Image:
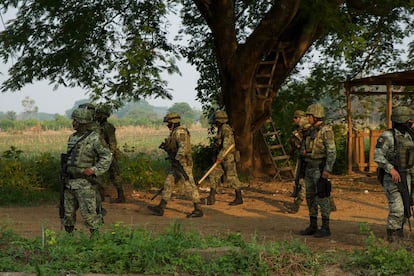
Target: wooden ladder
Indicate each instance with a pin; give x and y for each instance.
(276, 151)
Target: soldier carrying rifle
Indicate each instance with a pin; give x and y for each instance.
(394, 154)
(178, 147)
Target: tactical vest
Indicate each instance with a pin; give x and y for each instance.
(81, 156)
(314, 144)
(171, 143)
(403, 155)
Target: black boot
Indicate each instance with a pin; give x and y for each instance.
(395, 235)
(312, 228)
(158, 210)
(238, 200)
(121, 197)
(324, 231)
(69, 229)
(211, 199)
(197, 213)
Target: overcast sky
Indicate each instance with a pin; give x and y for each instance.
(62, 99)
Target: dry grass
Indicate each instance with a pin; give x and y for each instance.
(140, 139)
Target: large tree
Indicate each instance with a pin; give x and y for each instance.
(117, 48)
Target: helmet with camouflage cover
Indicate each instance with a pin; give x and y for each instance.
(104, 110)
(172, 117)
(82, 115)
(316, 110)
(299, 113)
(401, 114)
(220, 116)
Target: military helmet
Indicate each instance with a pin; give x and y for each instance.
(299, 113)
(104, 109)
(220, 116)
(82, 115)
(316, 110)
(172, 117)
(401, 114)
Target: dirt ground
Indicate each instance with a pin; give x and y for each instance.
(264, 214)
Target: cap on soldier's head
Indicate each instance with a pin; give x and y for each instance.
(221, 116)
(172, 117)
(401, 114)
(316, 110)
(299, 113)
(82, 115)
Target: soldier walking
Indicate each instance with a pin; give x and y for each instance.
(178, 147)
(87, 158)
(227, 164)
(319, 153)
(394, 154)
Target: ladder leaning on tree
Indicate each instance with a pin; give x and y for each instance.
(276, 151)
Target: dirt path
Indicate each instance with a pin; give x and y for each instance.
(263, 215)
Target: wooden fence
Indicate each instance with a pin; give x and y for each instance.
(362, 140)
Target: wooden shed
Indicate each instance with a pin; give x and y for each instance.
(389, 80)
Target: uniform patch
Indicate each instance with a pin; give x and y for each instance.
(380, 142)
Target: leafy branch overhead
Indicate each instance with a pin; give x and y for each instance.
(111, 48)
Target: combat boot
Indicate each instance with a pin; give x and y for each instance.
(395, 235)
(332, 203)
(312, 228)
(158, 210)
(69, 229)
(121, 196)
(211, 199)
(324, 231)
(197, 213)
(238, 200)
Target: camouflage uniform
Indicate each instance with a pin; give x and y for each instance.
(227, 165)
(386, 155)
(178, 147)
(85, 152)
(319, 153)
(301, 126)
(107, 131)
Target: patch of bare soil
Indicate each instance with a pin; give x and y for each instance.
(263, 216)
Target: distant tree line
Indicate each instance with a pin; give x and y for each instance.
(139, 113)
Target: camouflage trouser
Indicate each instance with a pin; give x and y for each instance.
(190, 187)
(84, 199)
(395, 204)
(312, 176)
(227, 167)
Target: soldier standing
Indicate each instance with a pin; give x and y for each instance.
(178, 147)
(319, 153)
(227, 164)
(394, 154)
(87, 159)
(301, 125)
(107, 131)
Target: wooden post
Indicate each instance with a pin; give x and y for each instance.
(373, 137)
(389, 104)
(350, 141)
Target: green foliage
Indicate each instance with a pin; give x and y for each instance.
(203, 156)
(127, 250)
(27, 182)
(380, 258)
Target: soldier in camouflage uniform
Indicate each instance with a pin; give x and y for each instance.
(301, 125)
(227, 166)
(107, 131)
(395, 145)
(319, 153)
(87, 159)
(178, 147)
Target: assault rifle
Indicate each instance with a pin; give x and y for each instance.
(300, 173)
(175, 164)
(403, 185)
(63, 176)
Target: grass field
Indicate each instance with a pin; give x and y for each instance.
(130, 139)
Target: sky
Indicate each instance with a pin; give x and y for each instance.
(58, 101)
